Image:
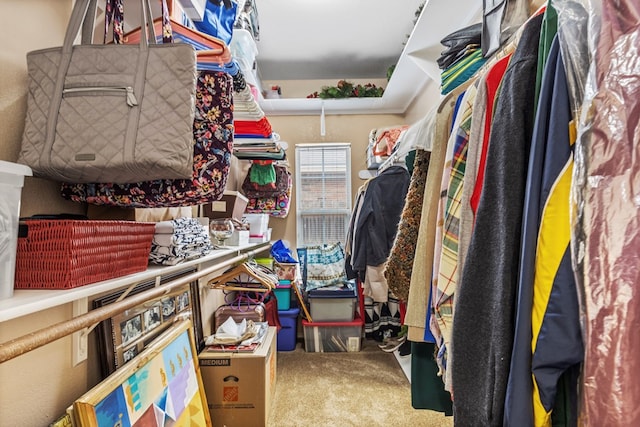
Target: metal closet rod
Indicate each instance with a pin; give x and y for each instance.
(26, 343)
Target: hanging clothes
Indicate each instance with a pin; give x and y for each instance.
(546, 283)
(446, 276)
(378, 219)
(486, 97)
(484, 311)
(400, 263)
(420, 287)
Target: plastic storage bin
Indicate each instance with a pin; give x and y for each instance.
(289, 331)
(11, 183)
(258, 223)
(333, 305)
(321, 337)
(283, 295)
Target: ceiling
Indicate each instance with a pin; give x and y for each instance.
(331, 39)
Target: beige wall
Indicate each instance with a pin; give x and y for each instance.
(37, 387)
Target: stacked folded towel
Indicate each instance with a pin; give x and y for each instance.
(179, 240)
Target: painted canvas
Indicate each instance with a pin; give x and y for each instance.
(161, 386)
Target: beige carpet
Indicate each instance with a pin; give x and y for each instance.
(362, 389)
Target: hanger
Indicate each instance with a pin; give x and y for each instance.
(509, 47)
(245, 277)
(205, 44)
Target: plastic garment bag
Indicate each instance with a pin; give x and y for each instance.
(605, 211)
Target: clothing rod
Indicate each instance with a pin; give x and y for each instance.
(26, 343)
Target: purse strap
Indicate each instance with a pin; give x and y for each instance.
(114, 17)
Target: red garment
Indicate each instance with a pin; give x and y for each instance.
(271, 311)
(494, 77)
(248, 127)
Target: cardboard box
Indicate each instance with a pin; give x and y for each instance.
(240, 386)
(231, 205)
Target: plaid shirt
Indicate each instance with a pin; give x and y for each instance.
(446, 273)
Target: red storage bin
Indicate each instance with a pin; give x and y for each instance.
(320, 337)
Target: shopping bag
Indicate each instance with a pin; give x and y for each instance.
(109, 112)
(324, 266)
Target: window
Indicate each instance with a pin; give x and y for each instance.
(323, 193)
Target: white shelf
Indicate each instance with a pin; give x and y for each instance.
(29, 301)
(415, 68)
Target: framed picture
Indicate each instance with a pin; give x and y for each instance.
(161, 386)
(125, 335)
(151, 318)
(130, 329)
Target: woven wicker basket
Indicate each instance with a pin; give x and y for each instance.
(65, 254)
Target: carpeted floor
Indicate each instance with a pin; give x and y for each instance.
(360, 389)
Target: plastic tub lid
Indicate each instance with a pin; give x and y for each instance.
(333, 293)
(15, 168)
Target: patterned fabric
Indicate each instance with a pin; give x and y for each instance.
(461, 71)
(448, 274)
(381, 319)
(400, 262)
(213, 143)
(114, 14)
(274, 189)
(179, 240)
(239, 82)
(277, 206)
(432, 324)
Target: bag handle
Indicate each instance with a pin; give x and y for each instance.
(114, 16)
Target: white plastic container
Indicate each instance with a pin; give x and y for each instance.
(11, 183)
(258, 224)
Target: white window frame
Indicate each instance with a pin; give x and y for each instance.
(301, 212)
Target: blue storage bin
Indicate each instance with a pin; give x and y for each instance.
(288, 333)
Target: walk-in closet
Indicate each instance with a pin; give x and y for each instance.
(280, 213)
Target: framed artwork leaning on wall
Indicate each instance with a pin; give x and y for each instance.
(125, 335)
(159, 386)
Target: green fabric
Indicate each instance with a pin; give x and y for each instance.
(410, 160)
(262, 174)
(461, 71)
(547, 33)
(427, 388)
